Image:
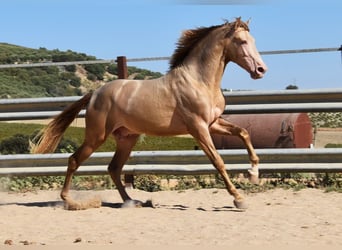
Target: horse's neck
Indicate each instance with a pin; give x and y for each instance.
(206, 65)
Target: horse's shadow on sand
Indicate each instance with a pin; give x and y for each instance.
(36, 204)
(179, 207)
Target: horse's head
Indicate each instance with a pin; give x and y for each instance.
(241, 49)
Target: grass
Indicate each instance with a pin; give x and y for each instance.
(153, 183)
(76, 134)
(9, 129)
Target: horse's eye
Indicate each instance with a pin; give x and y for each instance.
(240, 41)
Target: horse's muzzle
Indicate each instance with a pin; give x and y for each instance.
(259, 72)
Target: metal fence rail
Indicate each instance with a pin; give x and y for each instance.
(178, 162)
(237, 102)
(160, 58)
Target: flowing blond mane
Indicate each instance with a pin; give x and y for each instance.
(190, 38)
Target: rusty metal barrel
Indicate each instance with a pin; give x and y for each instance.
(286, 130)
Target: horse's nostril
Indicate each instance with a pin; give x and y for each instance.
(261, 69)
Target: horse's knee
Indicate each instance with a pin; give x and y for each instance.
(244, 133)
(254, 160)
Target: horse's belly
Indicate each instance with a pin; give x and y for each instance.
(159, 128)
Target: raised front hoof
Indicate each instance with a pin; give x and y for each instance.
(137, 204)
(253, 177)
(241, 204)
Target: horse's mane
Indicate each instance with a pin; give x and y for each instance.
(191, 37)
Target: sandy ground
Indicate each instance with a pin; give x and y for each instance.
(198, 218)
(325, 136)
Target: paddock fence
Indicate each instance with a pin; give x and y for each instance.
(194, 162)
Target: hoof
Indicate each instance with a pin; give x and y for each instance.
(131, 204)
(149, 203)
(254, 179)
(137, 203)
(240, 204)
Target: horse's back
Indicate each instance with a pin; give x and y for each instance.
(132, 95)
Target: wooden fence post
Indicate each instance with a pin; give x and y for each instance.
(122, 67)
(123, 74)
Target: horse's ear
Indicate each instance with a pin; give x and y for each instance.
(225, 21)
(237, 23)
(248, 21)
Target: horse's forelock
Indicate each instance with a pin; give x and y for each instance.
(238, 23)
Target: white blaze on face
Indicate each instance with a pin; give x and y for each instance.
(247, 55)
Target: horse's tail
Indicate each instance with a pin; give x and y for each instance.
(50, 136)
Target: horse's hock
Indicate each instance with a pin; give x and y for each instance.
(287, 130)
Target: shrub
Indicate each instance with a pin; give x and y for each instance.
(149, 183)
(70, 68)
(333, 145)
(97, 70)
(17, 144)
(112, 69)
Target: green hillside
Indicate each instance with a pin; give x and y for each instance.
(55, 81)
(77, 79)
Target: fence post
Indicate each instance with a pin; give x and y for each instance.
(123, 74)
(122, 67)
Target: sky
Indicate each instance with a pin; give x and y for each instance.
(151, 28)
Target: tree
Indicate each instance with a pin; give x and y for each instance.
(96, 69)
(292, 86)
(112, 69)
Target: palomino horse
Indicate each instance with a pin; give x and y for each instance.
(187, 100)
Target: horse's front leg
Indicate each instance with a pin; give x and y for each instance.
(223, 127)
(202, 135)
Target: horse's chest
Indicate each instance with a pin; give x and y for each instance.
(219, 106)
(215, 110)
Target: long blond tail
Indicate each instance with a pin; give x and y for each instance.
(52, 134)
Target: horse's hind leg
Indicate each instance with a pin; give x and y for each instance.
(124, 145)
(222, 126)
(94, 137)
(75, 160)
